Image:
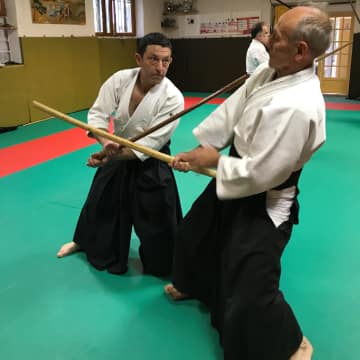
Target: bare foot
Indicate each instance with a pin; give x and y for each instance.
(68, 249)
(174, 294)
(304, 352)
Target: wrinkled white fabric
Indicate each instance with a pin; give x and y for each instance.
(276, 126)
(256, 54)
(159, 103)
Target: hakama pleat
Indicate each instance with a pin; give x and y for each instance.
(126, 194)
(227, 255)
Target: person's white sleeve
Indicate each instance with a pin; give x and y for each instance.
(217, 129)
(275, 148)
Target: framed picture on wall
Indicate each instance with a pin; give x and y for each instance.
(2, 8)
(67, 12)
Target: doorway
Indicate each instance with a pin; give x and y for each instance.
(334, 70)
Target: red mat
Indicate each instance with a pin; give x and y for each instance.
(191, 101)
(342, 106)
(19, 157)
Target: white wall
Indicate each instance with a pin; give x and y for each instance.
(357, 24)
(153, 10)
(152, 15)
(149, 16)
(139, 18)
(216, 6)
(206, 7)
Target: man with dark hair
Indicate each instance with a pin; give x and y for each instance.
(229, 246)
(129, 189)
(257, 51)
(153, 39)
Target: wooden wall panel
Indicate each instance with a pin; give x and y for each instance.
(13, 97)
(66, 73)
(116, 54)
(63, 73)
(48, 64)
(85, 72)
(205, 65)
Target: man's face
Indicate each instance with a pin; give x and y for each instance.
(282, 51)
(264, 35)
(154, 63)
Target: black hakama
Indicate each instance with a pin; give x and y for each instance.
(126, 194)
(227, 255)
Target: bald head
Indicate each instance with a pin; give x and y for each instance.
(301, 34)
(309, 24)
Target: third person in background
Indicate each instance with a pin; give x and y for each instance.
(257, 52)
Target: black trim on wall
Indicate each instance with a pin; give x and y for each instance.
(206, 65)
(354, 83)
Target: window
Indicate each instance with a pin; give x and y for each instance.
(10, 51)
(114, 17)
(336, 66)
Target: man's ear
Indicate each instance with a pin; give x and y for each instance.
(138, 58)
(303, 51)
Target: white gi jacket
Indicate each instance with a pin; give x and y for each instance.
(159, 103)
(275, 126)
(256, 55)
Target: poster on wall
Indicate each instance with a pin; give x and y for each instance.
(232, 24)
(228, 26)
(65, 12)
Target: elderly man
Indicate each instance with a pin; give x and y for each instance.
(132, 190)
(257, 52)
(229, 245)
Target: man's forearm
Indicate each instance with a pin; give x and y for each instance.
(101, 140)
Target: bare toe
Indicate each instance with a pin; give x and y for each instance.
(304, 352)
(68, 249)
(174, 294)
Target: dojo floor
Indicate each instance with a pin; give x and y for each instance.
(63, 309)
